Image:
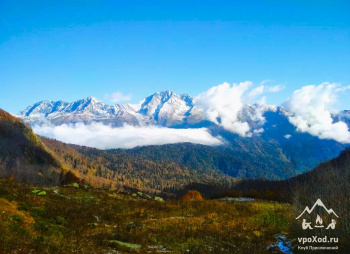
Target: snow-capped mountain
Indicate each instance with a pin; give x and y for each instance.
(162, 108)
(165, 108)
(84, 110)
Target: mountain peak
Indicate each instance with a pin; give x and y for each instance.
(163, 94)
(168, 92)
(91, 99)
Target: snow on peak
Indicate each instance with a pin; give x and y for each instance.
(164, 108)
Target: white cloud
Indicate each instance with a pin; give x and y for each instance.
(221, 105)
(262, 101)
(260, 90)
(103, 136)
(311, 107)
(274, 89)
(118, 97)
(287, 136)
(342, 89)
(226, 105)
(256, 91)
(266, 81)
(258, 131)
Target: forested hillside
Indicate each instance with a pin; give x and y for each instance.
(329, 182)
(134, 170)
(248, 158)
(23, 156)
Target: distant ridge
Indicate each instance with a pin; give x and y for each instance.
(274, 139)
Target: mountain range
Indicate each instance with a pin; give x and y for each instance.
(276, 150)
(164, 108)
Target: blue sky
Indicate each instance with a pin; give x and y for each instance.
(73, 49)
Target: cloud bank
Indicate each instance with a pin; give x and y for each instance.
(260, 90)
(223, 105)
(311, 111)
(103, 136)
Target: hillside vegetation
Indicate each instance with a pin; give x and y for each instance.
(25, 158)
(23, 155)
(246, 158)
(125, 169)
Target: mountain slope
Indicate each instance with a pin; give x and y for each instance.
(23, 155)
(329, 181)
(302, 149)
(133, 170)
(230, 160)
(25, 158)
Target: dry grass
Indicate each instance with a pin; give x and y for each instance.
(79, 220)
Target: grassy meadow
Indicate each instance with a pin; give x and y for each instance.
(81, 219)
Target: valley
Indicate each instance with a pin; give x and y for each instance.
(173, 198)
(180, 127)
(275, 149)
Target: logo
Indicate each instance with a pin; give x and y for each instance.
(319, 221)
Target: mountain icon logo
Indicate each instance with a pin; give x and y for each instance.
(319, 221)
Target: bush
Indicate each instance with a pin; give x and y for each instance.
(192, 195)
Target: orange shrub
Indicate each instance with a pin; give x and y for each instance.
(192, 195)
